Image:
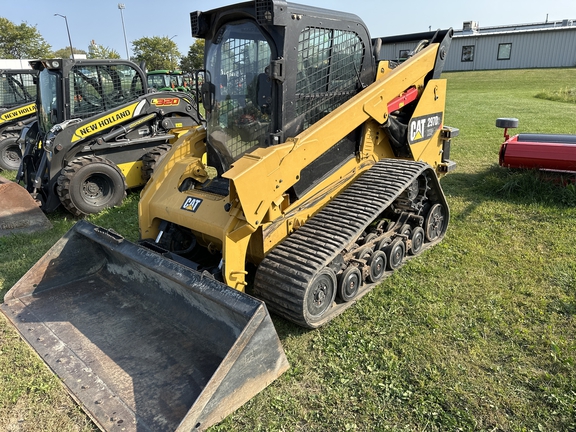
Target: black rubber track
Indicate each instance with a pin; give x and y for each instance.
(284, 274)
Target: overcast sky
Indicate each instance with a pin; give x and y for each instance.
(101, 20)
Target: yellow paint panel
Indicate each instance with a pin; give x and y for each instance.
(133, 173)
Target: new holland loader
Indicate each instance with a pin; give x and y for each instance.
(17, 109)
(315, 177)
(98, 132)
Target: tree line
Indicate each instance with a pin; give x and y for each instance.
(23, 41)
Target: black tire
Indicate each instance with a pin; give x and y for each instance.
(349, 283)
(435, 223)
(10, 154)
(319, 296)
(417, 241)
(89, 184)
(377, 265)
(506, 123)
(151, 160)
(395, 252)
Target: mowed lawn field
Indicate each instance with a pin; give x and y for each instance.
(477, 334)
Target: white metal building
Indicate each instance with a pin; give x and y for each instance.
(14, 64)
(536, 45)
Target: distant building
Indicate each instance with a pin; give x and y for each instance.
(538, 45)
(15, 64)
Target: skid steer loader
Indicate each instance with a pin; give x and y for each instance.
(17, 109)
(98, 133)
(318, 167)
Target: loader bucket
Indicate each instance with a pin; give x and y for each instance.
(19, 213)
(141, 342)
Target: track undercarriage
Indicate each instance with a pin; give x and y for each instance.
(391, 213)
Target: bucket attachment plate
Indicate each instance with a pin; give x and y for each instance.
(142, 342)
(19, 213)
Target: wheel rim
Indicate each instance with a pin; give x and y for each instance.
(321, 293)
(377, 266)
(349, 284)
(11, 156)
(417, 241)
(435, 222)
(97, 189)
(396, 254)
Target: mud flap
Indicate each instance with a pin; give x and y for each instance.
(19, 213)
(142, 342)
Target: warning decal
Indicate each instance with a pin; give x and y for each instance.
(104, 122)
(424, 128)
(191, 204)
(17, 113)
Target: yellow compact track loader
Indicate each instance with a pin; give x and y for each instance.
(315, 177)
(17, 109)
(98, 133)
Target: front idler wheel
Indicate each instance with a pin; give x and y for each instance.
(349, 283)
(89, 184)
(435, 223)
(395, 252)
(319, 296)
(377, 266)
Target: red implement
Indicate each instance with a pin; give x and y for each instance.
(552, 152)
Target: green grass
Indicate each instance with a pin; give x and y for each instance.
(477, 334)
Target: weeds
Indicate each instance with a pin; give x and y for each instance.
(566, 94)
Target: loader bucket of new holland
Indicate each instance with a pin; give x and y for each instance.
(142, 342)
(19, 213)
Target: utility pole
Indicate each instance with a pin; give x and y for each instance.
(172, 62)
(68, 30)
(122, 7)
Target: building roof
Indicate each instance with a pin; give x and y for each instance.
(472, 28)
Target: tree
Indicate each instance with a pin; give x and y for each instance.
(100, 52)
(21, 41)
(157, 52)
(195, 58)
(65, 52)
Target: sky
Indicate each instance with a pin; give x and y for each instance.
(101, 20)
